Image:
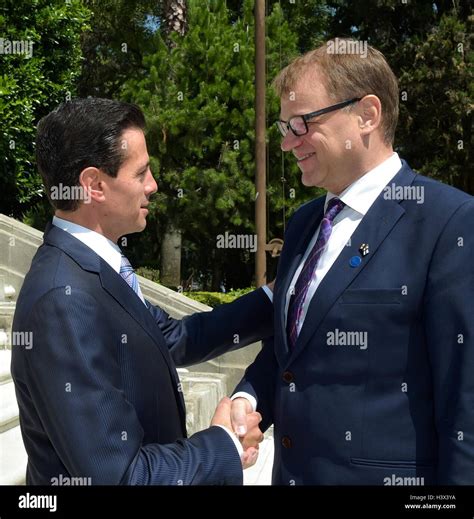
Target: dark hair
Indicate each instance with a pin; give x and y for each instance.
(79, 134)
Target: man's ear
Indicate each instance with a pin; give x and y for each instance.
(369, 114)
(91, 182)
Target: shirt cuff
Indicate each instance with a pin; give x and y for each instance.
(236, 441)
(268, 291)
(250, 398)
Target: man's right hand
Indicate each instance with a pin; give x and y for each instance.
(251, 438)
(241, 407)
(245, 426)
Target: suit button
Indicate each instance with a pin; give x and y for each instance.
(286, 442)
(288, 377)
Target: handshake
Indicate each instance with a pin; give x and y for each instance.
(237, 416)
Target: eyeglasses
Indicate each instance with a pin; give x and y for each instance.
(299, 123)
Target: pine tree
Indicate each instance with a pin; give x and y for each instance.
(199, 101)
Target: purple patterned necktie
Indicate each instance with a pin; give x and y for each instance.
(295, 308)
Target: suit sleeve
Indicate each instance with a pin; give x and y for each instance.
(260, 378)
(259, 381)
(449, 321)
(205, 335)
(74, 380)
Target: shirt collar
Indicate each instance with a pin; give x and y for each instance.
(102, 246)
(362, 193)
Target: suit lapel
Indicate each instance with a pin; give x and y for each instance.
(117, 288)
(124, 295)
(374, 229)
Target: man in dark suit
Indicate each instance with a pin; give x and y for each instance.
(369, 377)
(98, 391)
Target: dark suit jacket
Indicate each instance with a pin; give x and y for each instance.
(98, 392)
(403, 407)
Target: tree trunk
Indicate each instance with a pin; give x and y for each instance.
(216, 276)
(170, 274)
(175, 18)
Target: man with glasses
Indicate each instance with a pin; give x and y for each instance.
(368, 379)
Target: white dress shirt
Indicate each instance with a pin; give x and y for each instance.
(110, 252)
(358, 198)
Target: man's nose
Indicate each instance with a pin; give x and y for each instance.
(152, 186)
(290, 141)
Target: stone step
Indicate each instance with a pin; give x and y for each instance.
(8, 406)
(13, 457)
(7, 310)
(202, 392)
(5, 360)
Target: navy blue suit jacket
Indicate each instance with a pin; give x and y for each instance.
(98, 392)
(403, 408)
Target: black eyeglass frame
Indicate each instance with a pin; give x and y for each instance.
(285, 126)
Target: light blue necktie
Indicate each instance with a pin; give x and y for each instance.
(127, 272)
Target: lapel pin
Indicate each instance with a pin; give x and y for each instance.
(364, 249)
(355, 261)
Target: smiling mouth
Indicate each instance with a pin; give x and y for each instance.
(304, 157)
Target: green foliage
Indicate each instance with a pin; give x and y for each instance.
(30, 87)
(149, 273)
(429, 47)
(438, 110)
(307, 19)
(198, 96)
(214, 299)
(120, 34)
(199, 101)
